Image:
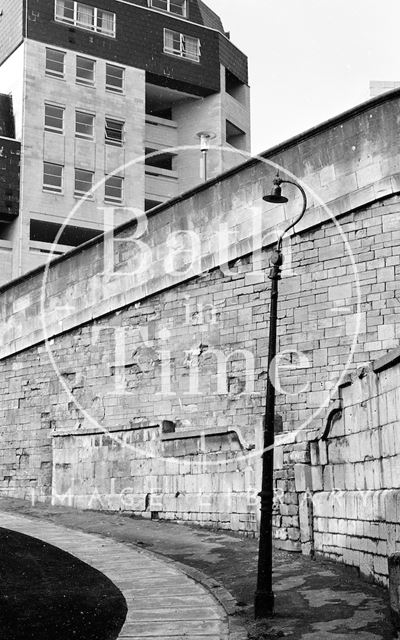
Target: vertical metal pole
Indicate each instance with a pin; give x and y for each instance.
(264, 597)
(204, 164)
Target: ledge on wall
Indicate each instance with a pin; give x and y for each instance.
(206, 433)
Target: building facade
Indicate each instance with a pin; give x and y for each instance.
(10, 150)
(108, 99)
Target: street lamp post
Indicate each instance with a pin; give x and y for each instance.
(264, 597)
(205, 138)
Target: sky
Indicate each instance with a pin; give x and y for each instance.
(310, 60)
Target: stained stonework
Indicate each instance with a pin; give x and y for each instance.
(128, 353)
(347, 476)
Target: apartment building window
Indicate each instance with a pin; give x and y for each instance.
(85, 16)
(83, 182)
(114, 189)
(114, 78)
(114, 133)
(54, 118)
(172, 6)
(178, 44)
(55, 63)
(85, 71)
(84, 125)
(52, 177)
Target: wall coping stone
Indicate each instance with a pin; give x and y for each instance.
(207, 433)
(387, 361)
(278, 148)
(22, 326)
(65, 433)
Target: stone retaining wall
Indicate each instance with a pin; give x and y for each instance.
(347, 476)
(191, 349)
(155, 472)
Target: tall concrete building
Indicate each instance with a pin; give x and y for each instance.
(92, 88)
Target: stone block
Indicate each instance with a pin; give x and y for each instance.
(294, 534)
(381, 565)
(299, 457)
(316, 478)
(288, 545)
(350, 480)
(306, 519)
(323, 452)
(395, 462)
(314, 453)
(278, 457)
(387, 480)
(341, 292)
(288, 509)
(327, 478)
(339, 476)
(280, 534)
(302, 475)
(320, 357)
(392, 539)
(391, 506)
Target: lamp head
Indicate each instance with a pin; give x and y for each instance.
(276, 196)
(205, 138)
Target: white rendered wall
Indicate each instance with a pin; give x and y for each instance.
(210, 114)
(71, 152)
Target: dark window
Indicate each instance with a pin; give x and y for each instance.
(85, 16)
(53, 118)
(172, 6)
(84, 125)
(85, 70)
(52, 177)
(114, 189)
(114, 78)
(83, 182)
(178, 44)
(114, 133)
(55, 63)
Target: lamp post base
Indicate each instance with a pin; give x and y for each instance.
(264, 604)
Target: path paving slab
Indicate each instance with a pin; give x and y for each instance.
(196, 613)
(315, 599)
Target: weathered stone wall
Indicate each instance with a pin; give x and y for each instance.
(190, 348)
(203, 477)
(345, 164)
(162, 360)
(348, 480)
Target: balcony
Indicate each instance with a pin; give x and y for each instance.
(160, 133)
(41, 252)
(5, 261)
(160, 184)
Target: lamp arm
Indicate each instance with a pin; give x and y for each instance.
(301, 214)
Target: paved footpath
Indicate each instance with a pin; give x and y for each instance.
(315, 600)
(163, 602)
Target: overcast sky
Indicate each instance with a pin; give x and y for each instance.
(310, 59)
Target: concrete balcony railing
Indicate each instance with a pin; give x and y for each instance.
(5, 261)
(160, 184)
(160, 133)
(5, 246)
(41, 252)
(47, 247)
